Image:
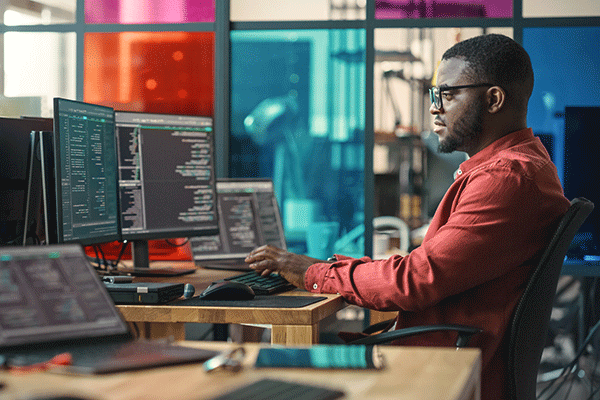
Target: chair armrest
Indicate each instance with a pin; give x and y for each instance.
(464, 334)
(379, 326)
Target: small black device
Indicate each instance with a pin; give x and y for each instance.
(144, 292)
(118, 279)
(227, 290)
(157, 272)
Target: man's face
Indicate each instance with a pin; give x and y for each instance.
(459, 122)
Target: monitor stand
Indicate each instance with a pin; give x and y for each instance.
(141, 263)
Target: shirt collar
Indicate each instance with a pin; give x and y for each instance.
(490, 151)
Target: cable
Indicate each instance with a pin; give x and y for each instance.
(570, 366)
(121, 252)
(98, 263)
(593, 391)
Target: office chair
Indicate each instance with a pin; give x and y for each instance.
(529, 325)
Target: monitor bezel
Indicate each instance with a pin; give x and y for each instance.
(177, 233)
(57, 180)
(576, 128)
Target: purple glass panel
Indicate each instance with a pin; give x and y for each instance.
(398, 9)
(148, 11)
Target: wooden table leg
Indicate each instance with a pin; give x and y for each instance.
(294, 335)
(160, 330)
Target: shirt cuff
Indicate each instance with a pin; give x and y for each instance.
(315, 277)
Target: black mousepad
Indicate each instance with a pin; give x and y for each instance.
(258, 302)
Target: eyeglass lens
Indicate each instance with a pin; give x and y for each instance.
(434, 96)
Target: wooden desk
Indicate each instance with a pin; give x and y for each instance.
(411, 373)
(289, 326)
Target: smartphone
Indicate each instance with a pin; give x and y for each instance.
(321, 356)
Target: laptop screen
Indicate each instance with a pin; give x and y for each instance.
(248, 217)
(52, 293)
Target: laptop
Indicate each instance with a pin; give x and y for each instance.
(249, 217)
(53, 302)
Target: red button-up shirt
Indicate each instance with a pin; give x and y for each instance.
(472, 266)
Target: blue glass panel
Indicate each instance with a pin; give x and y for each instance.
(565, 75)
(297, 116)
(565, 109)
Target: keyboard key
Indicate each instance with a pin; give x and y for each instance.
(263, 285)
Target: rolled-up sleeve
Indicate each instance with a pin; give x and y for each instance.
(494, 224)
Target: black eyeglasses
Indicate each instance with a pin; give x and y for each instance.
(435, 93)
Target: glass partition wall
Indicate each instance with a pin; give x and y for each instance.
(327, 97)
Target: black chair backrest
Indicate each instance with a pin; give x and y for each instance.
(529, 327)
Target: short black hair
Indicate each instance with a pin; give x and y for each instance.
(496, 59)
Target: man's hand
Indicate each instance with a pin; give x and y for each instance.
(292, 267)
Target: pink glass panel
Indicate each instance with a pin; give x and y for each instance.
(148, 11)
(163, 72)
(398, 9)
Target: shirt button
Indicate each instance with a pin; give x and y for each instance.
(315, 286)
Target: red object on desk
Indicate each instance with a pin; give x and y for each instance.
(159, 250)
(56, 361)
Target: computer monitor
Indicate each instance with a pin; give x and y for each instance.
(581, 174)
(166, 178)
(249, 217)
(85, 174)
(15, 147)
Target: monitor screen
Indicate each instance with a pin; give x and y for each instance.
(85, 174)
(15, 142)
(51, 293)
(581, 173)
(166, 177)
(249, 217)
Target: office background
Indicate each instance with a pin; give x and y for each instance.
(324, 96)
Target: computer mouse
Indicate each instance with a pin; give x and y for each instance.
(227, 290)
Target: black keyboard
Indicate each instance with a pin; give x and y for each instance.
(271, 389)
(263, 285)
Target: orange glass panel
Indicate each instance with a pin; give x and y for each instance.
(162, 72)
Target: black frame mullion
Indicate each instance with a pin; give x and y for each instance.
(79, 48)
(369, 139)
(222, 86)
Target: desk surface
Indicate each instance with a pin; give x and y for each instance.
(289, 326)
(411, 373)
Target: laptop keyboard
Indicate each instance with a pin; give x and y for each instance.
(271, 389)
(263, 285)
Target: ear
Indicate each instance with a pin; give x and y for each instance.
(496, 97)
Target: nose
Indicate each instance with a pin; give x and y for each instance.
(433, 110)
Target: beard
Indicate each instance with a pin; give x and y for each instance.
(464, 131)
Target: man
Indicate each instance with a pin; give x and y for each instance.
(489, 229)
